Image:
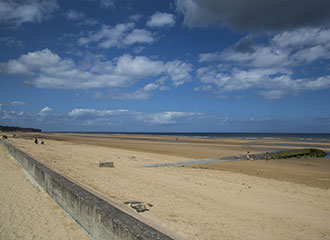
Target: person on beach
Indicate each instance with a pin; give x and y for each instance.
(42, 142)
(247, 155)
(36, 141)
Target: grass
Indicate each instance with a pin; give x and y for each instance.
(310, 152)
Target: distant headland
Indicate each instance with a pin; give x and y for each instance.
(17, 129)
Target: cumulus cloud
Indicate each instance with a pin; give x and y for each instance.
(118, 36)
(45, 111)
(270, 65)
(48, 70)
(159, 19)
(301, 46)
(275, 82)
(13, 12)
(138, 36)
(255, 16)
(239, 79)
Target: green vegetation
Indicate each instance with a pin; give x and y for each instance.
(301, 153)
(17, 129)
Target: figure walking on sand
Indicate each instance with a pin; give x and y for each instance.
(36, 141)
(248, 157)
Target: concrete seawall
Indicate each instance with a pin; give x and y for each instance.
(97, 217)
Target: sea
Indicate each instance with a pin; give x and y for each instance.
(304, 137)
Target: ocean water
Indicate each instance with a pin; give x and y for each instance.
(308, 137)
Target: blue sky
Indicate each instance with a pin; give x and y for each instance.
(181, 65)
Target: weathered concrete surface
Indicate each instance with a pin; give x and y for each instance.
(106, 164)
(97, 217)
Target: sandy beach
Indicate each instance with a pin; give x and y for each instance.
(28, 213)
(235, 200)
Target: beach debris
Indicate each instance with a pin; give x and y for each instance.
(106, 164)
(133, 157)
(138, 206)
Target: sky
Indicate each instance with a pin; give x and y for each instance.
(165, 65)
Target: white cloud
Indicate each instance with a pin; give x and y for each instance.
(159, 19)
(45, 111)
(138, 36)
(34, 61)
(118, 36)
(107, 36)
(157, 118)
(179, 72)
(275, 82)
(19, 12)
(316, 83)
(83, 112)
(89, 119)
(17, 103)
(166, 118)
(269, 66)
(239, 79)
(48, 70)
(263, 56)
(302, 46)
(302, 37)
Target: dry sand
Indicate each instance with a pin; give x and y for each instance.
(194, 203)
(26, 212)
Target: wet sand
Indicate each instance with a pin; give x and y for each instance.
(26, 212)
(313, 172)
(195, 203)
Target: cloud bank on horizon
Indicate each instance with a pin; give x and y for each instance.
(179, 65)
